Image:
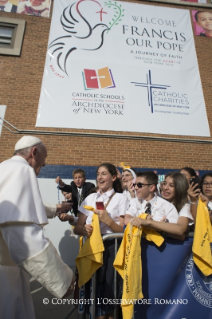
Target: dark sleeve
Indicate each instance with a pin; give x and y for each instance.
(66, 188)
(87, 188)
(90, 185)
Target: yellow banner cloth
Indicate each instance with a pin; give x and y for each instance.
(202, 238)
(90, 257)
(153, 235)
(89, 207)
(81, 237)
(128, 264)
(80, 242)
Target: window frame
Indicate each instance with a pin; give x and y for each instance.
(15, 47)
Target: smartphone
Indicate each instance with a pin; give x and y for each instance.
(100, 205)
(195, 180)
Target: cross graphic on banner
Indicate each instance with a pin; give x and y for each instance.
(149, 87)
(101, 11)
(97, 78)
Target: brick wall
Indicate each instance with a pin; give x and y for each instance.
(20, 83)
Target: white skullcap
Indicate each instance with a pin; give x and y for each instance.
(27, 141)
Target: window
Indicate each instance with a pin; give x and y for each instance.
(6, 35)
(11, 36)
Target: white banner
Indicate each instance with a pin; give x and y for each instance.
(122, 66)
(2, 114)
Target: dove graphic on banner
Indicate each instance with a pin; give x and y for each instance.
(74, 22)
(80, 34)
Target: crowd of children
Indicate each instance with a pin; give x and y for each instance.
(120, 198)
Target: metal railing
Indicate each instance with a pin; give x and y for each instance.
(81, 307)
(14, 130)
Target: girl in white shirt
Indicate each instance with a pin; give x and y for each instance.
(111, 221)
(174, 190)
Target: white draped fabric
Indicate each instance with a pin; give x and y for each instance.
(20, 198)
(15, 298)
(18, 304)
(24, 250)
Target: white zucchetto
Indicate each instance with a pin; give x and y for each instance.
(27, 141)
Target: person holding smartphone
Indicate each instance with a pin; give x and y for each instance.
(194, 188)
(189, 173)
(192, 178)
(111, 206)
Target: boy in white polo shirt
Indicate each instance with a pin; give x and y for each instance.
(148, 202)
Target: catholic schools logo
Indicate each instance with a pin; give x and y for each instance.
(199, 285)
(98, 79)
(150, 86)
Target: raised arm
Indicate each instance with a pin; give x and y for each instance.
(193, 194)
(81, 228)
(175, 229)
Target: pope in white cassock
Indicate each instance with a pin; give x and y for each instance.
(24, 250)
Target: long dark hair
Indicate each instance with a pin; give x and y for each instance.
(190, 170)
(112, 170)
(181, 188)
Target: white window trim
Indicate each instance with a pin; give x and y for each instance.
(17, 37)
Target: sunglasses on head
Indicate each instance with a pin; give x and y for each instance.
(140, 185)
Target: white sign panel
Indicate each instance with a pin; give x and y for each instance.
(122, 67)
(2, 113)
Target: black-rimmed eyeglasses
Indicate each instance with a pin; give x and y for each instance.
(140, 185)
(207, 184)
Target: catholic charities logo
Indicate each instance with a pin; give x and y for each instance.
(98, 79)
(199, 285)
(150, 86)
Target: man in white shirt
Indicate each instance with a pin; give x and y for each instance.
(24, 250)
(158, 208)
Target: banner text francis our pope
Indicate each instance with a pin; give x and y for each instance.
(158, 30)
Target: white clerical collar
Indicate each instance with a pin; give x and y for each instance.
(106, 194)
(19, 159)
